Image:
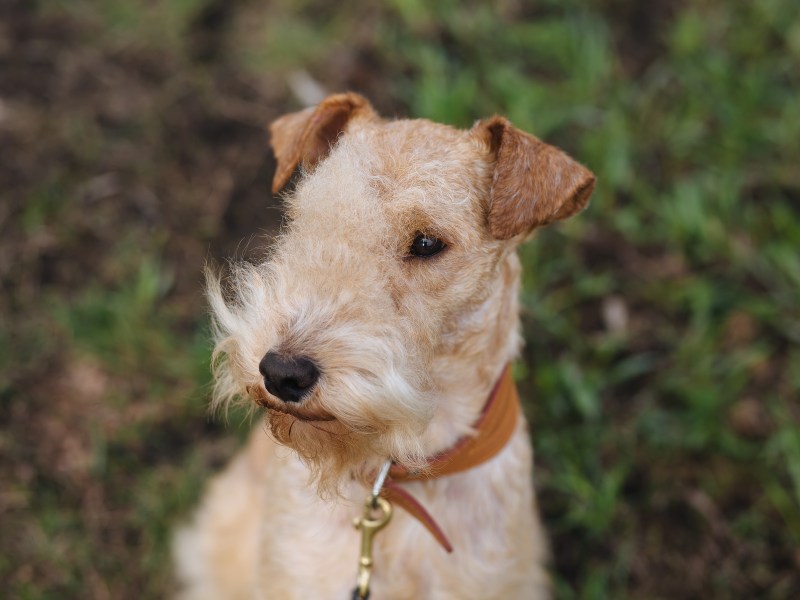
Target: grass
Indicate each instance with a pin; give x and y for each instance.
(661, 371)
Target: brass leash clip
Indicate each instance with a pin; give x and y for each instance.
(377, 514)
(369, 526)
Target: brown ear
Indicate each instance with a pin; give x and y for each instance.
(307, 136)
(533, 183)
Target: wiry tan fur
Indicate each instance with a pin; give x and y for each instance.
(409, 349)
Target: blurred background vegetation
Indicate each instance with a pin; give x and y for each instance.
(662, 369)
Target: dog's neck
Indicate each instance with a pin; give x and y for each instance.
(463, 386)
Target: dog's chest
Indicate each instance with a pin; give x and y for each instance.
(312, 550)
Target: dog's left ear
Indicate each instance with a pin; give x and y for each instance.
(533, 183)
(307, 136)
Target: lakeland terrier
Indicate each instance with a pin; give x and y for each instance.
(379, 333)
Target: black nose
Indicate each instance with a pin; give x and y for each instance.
(288, 377)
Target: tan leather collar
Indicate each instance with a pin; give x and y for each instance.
(493, 430)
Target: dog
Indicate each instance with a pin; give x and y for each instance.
(379, 332)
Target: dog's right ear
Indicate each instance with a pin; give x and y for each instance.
(533, 183)
(306, 137)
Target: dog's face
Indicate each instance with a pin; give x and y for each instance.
(395, 234)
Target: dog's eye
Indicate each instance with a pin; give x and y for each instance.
(425, 245)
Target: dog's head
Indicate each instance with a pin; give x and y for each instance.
(392, 271)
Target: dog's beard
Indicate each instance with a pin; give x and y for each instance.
(352, 445)
(374, 380)
(327, 448)
(355, 419)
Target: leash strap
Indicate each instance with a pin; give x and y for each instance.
(397, 495)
